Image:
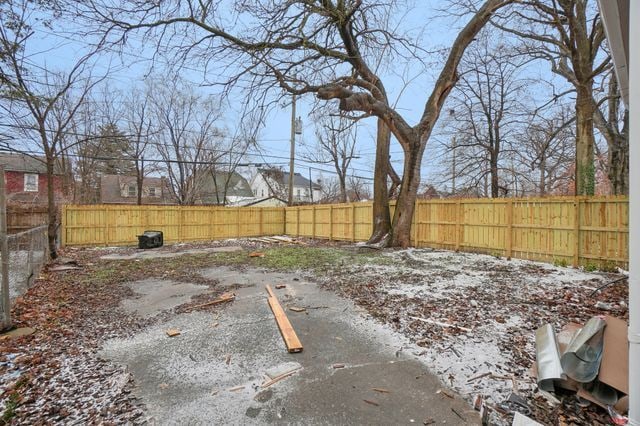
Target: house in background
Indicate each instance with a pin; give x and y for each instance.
(119, 189)
(271, 201)
(223, 188)
(26, 179)
(275, 183)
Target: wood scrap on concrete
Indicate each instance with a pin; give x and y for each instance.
(286, 329)
(172, 332)
(225, 297)
(278, 378)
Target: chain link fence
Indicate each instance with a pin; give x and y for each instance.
(28, 252)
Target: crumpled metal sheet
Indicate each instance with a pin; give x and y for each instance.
(547, 358)
(581, 360)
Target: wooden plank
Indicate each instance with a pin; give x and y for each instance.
(269, 290)
(286, 329)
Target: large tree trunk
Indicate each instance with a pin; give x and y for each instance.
(342, 181)
(52, 208)
(619, 165)
(139, 180)
(493, 165)
(542, 186)
(585, 141)
(405, 206)
(381, 215)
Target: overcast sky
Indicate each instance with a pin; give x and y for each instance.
(59, 48)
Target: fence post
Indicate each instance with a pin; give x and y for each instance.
(4, 252)
(63, 226)
(179, 223)
(107, 227)
(313, 222)
(238, 222)
(297, 221)
(414, 223)
(458, 204)
(353, 222)
(260, 219)
(509, 233)
(331, 222)
(576, 233)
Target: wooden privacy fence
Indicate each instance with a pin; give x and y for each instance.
(120, 224)
(567, 230)
(24, 217)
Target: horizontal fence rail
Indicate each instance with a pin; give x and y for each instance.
(565, 230)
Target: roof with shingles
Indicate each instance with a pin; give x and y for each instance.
(16, 162)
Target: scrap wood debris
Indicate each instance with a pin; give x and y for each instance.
(224, 298)
(279, 378)
(286, 329)
(256, 254)
(172, 332)
(488, 309)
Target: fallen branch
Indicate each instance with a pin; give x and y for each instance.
(226, 297)
(441, 324)
(479, 376)
(278, 378)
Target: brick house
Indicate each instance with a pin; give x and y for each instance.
(121, 189)
(26, 179)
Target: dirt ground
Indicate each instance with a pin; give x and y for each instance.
(480, 311)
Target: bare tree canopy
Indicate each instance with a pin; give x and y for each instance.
(330, 48)
(38, 104)
(568, 34)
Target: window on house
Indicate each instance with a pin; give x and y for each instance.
(30, 182)
(152, 191)
(131, 191)
(262, 192)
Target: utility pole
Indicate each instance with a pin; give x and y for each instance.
(293, 148)
(296, 129)
(310, 186)
(4, 252)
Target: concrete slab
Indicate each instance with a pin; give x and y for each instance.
(212, 373)
(156, 296)
(159, 254)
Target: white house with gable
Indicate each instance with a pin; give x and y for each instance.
(275, 183)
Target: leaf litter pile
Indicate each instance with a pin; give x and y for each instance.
(475, 316)
(472, 316)
(54, 375)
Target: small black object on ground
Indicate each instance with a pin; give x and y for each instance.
(150, 239)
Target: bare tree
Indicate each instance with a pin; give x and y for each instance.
(187, 137)
(328, 48)
(139, 129)
(547, 146)
(612, 121)
(336, 143)
(570, 35)
(38, 104)
(233, 153)
(489, 106)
